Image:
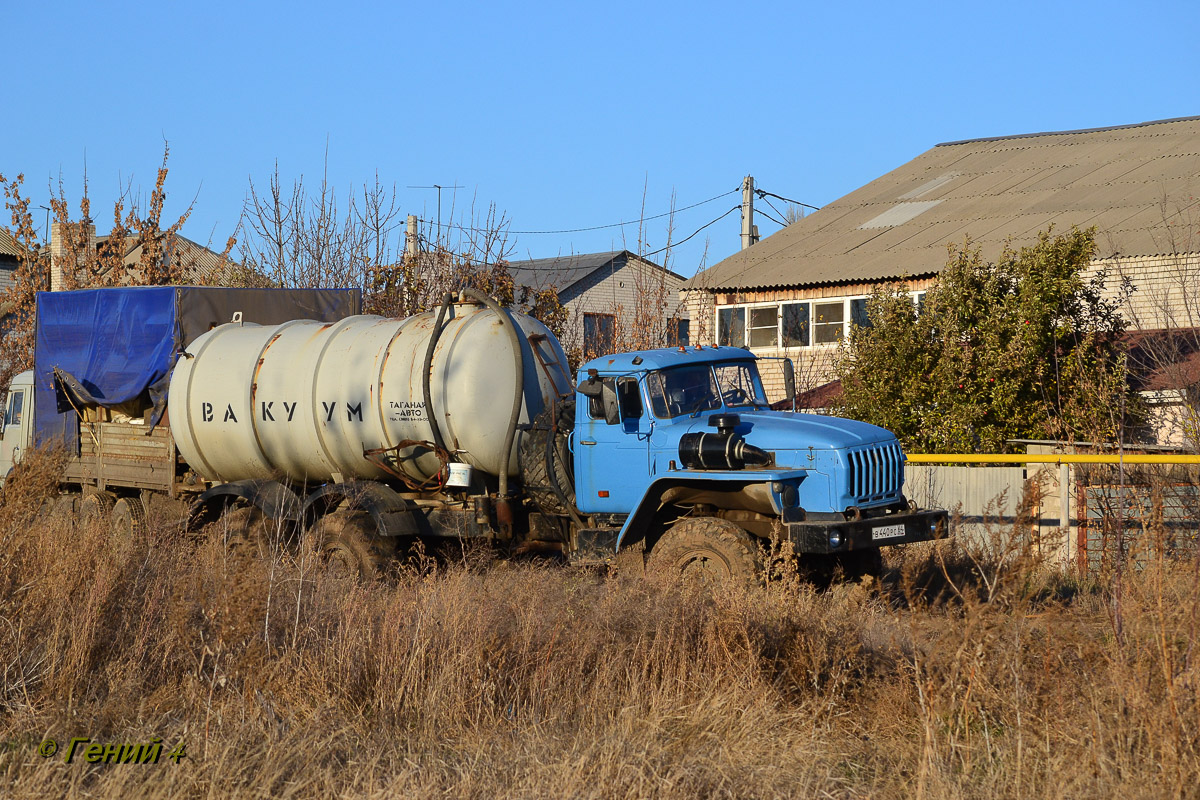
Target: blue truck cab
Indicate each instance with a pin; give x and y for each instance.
(685, 437)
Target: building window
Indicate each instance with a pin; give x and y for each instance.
(678, 332)
(598, 334)
(764, 326)
(858, 312)
(731, 326)
(795, 325)
(828, 321)
(807, 323)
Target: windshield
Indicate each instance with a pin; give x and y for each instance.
(704, 387)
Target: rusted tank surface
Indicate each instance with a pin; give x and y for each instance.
(315, 402)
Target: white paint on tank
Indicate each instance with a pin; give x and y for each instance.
(304, 400)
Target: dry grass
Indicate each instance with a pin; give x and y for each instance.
(983, 679)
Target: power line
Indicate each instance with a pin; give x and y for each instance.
(772, 205)
(763, 195)
(693, 233)
(593, 227)
(768, 216)
(566, 266)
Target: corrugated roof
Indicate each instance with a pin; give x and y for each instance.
(200, 265)
(8, 247)
(1138, 184)
(562, 272)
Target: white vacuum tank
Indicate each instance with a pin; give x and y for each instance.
(304, 400)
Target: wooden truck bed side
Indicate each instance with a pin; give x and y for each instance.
(120, 454)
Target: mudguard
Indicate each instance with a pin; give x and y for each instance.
(272, 498)
(635, 524)
(392, 514)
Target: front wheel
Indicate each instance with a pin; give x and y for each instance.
(708, 549)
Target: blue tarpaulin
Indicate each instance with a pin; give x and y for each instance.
(115, 342)
(111, 346)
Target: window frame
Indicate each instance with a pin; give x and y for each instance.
(678, 331)
(593, 348)
(848, 303)
(12, 413)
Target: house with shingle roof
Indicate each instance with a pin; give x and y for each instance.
(799, 291)
(614, 300)
(199, 264)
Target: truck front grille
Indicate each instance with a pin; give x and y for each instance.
(876, 473)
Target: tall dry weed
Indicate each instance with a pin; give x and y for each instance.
(520, 680)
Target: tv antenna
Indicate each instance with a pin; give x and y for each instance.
(439, 191)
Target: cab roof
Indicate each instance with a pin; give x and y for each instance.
(665, 357)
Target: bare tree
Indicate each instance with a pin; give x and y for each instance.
(137, 251)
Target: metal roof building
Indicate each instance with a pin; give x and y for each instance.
(1138, 184)
(566, 273)
(614, 301)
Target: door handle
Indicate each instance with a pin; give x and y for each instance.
(586, 441)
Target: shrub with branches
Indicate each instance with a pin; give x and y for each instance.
(1023, 347)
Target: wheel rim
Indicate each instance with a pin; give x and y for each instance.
(704, 564)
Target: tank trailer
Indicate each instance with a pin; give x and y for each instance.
(365, 432)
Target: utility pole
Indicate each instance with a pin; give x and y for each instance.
(749, 229)
(411, 238)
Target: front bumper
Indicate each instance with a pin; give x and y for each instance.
(841, 536)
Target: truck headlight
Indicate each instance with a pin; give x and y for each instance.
(835, 539)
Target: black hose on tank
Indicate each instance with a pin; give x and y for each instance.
(503, 512)
(427, 395)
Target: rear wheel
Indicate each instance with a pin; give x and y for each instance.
(348, 545)
(128, 518)
(247, 530)
(708, 549)
(95, 508)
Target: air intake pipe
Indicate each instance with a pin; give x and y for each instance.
(724, 449)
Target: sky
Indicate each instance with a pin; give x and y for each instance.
(560, 115)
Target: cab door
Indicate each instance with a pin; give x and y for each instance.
(16, 417)
(612, 448)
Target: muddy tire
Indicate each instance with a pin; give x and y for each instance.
(544, 457)
(95, 508)
(246, 530)
(127, 524)
(348, 545)
(128, 518)
(65, 506)
(708, 549)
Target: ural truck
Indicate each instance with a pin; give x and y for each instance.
(365, 433)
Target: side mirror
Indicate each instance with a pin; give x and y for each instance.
(612, 410)
(589, 388)
(789, 379)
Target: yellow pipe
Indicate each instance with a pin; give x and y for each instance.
(1048, 458)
